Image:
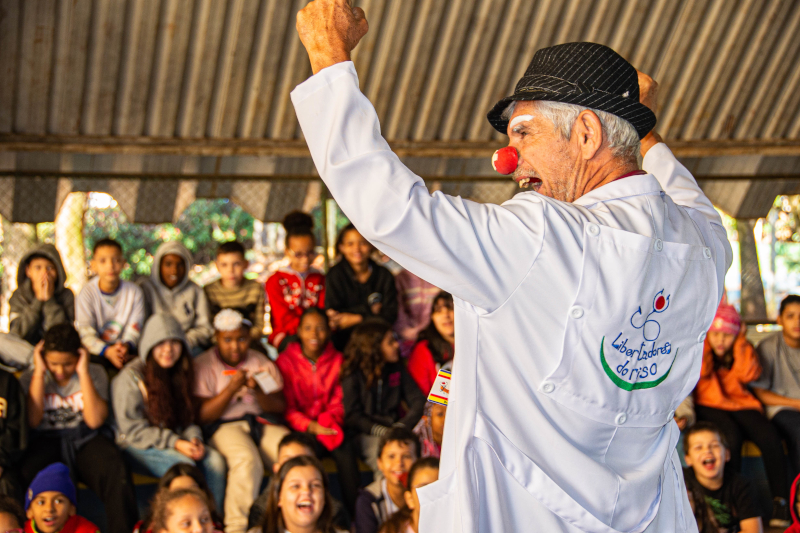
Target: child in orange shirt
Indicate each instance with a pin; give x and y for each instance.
(722, 398)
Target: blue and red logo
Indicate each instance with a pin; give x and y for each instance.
(641, 361)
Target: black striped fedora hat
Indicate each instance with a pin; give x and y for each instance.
(586, 74)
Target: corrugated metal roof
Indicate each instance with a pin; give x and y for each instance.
(211, 79)
(191, 69)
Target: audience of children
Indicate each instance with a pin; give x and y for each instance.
(397, 451)
(721, 499)
(67, 399)
(299, 500)
(109, 312)
(234, 291)
(182, 511)
(239, 417)
(414, 300)
(436, 344)
(40, 302)
(424, 472)
(51, 501)
(379, 393)
(154, 408)
(722, 398)
(297, 287)
(363, 402)
(778, 388)
(311, 370)
(357, 288)
(169, 290)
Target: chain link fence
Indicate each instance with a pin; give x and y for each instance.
(82, 218)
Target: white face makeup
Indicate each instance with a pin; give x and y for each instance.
(518, 119)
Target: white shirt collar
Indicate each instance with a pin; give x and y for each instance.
(626, 187)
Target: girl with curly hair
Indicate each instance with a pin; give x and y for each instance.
(155, 411)
(378, 391)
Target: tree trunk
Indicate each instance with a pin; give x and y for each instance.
(69, 240)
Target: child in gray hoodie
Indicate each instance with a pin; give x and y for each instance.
(169, 290)
(153, 408)
(40, 301)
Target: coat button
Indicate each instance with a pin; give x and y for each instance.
(593, 230)
(707, 253)
(548, 387)
(621, 419)
(658, 245)
(576, 311)
(701, 337)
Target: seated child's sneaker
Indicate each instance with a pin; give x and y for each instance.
(780, 514)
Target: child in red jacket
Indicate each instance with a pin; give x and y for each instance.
(313, 392)
(294, 289)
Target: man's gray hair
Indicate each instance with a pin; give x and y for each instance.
(619, 133)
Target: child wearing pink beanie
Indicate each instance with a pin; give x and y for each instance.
(722, 397)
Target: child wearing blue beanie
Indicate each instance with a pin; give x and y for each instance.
(50, 504)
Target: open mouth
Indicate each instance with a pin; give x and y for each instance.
(305, 506)
(709, 463)
(527, 181)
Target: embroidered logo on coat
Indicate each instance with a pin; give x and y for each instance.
(641, 361)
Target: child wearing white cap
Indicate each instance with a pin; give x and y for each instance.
(242, 408)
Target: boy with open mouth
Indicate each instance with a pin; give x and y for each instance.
(722, 501)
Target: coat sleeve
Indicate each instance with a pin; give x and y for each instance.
(745, 367)
(278, 310)
(389, 289)
(354, 415)
(133, 427)
(86, 324)
(201, 331)
(420, 364)
(680, 185)
(335, 406)
(414, 398)
(26, 317)
(60, 309)
(365, 521)
(477, 252)
(133, 329)
(258, 321)
(296, 419)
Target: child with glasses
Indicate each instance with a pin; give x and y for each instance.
(296, 287)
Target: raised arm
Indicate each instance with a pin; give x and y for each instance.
(477, 252)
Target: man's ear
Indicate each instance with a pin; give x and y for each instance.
(72, 510)
(409, 499)
(727, 455)
(589, 133)
(687, 459)
(275, 468)
(780, 321)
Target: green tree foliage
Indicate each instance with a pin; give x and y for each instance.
(201, 227)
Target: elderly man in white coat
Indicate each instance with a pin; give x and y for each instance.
(581, 305)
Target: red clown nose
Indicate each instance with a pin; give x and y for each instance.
(505, 160)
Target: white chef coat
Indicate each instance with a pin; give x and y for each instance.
(579, 327)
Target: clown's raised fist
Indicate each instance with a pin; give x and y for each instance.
(330, 29)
